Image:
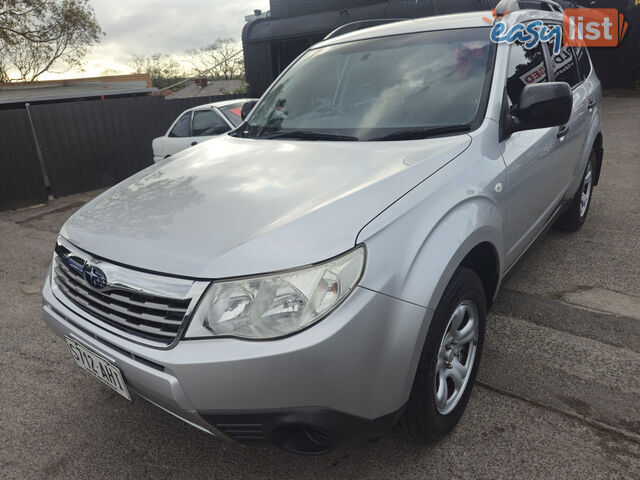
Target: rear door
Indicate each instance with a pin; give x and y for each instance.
(588, 91)
(564, 68)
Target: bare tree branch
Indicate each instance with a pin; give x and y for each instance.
(38, 35)
(163, 69)
(219, 59)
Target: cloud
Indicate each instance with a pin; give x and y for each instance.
(144, 27)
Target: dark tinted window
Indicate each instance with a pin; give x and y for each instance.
(564, 65)
(525, 67)
(182, 128)
(208, 122)
(583, 61)
(233, 113)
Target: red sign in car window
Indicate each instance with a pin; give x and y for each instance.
(237, 111)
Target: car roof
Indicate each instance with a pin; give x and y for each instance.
(439, 22)
(224, 103)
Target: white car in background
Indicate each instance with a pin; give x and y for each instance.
(198, 124)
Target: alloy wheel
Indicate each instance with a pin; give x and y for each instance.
(587, 187)
(456, 356)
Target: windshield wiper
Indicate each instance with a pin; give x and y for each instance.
(425, 132)
(306, 135)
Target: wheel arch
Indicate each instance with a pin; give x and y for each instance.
(483, 259)
(479, 253)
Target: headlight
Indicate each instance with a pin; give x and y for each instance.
(274, 305)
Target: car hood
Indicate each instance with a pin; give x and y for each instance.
(233, 206)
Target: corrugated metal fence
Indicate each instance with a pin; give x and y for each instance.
(84, 145)
(21, 181)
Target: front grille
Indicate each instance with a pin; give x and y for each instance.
(131, 310)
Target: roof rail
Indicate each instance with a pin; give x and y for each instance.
(511, 5)
(355, 26)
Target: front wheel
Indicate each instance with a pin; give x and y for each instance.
(449, 361)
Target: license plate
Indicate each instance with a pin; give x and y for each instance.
(97, 366)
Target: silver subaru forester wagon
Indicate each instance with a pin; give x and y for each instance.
(323, 273)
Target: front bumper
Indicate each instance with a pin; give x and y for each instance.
(347, 377)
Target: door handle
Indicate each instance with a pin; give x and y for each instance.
(591, 104)
(562, 131)
(193, 144)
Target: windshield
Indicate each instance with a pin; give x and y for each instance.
(399, 87)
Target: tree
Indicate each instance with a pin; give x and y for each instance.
(221, 59)
(165, 70)
(37, 36)
(4, 70)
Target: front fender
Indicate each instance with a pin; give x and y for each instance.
(420, 257)
(418, 242)
(415, 245)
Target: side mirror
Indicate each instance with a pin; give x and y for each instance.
(543, 105)
(246, 108)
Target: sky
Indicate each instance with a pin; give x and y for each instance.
(144, 27)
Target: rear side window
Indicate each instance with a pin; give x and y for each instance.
(208, 122)
(233, 113)
(565, 67)
(182, 128)
(525, 67)
(583, 61)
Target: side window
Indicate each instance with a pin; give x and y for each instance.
(525, 67)
(233, 113)
(182, 128)
(565, 68)
(208, 122)
(583, 61)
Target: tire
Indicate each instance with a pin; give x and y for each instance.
(425, 419)
(575, 216)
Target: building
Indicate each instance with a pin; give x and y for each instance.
(15, 95)
(272, 40)
(202, 87)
